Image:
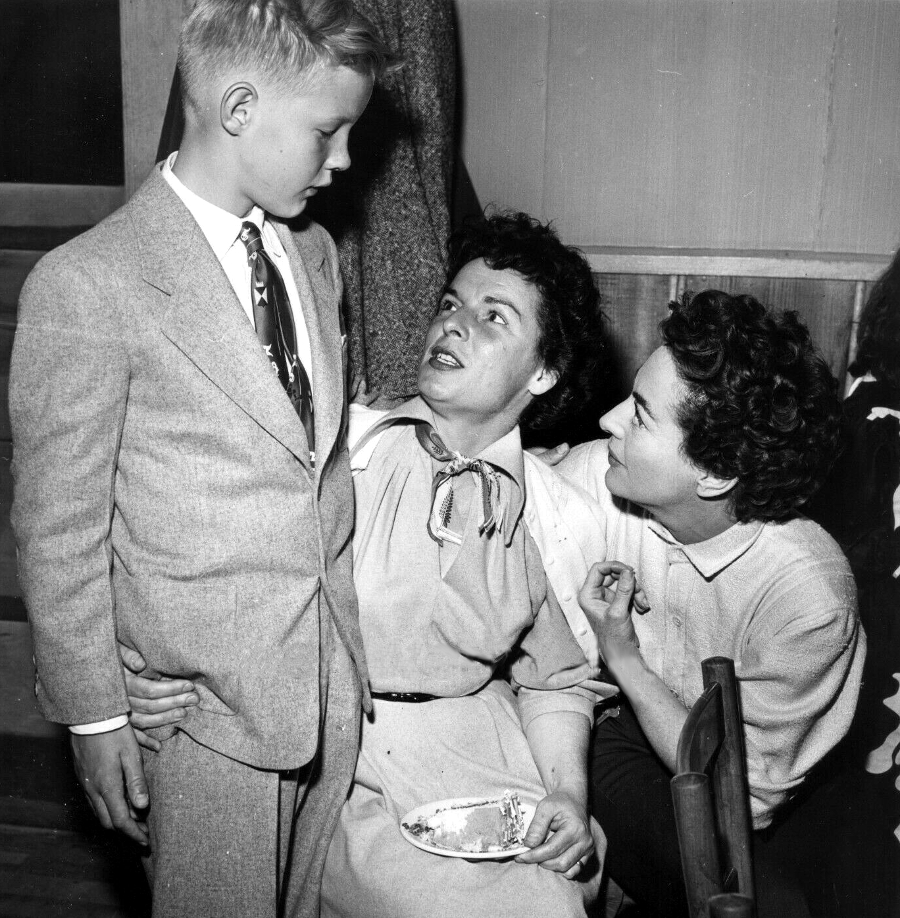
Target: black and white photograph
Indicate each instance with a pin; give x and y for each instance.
(450, 459)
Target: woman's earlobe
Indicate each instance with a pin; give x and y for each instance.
(712, 486)
(544, 381)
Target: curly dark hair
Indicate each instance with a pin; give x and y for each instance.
(878, 347)
(569, 318)
(762, 405)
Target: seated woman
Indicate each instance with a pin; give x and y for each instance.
(478, 658)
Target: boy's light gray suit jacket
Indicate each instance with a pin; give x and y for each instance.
(163, 489)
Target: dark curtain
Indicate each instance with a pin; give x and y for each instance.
(390, 213)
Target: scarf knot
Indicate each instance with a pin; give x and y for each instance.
(442, 488)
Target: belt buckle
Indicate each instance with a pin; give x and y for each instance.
(607, 707)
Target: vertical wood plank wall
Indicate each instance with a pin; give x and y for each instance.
(634, 304)
(695, 126)
(744, 125)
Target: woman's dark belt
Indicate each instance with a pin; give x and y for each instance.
(409, 697)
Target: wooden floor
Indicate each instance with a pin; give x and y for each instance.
(45, 873)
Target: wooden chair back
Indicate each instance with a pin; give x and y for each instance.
(731, 905)
(712, 802)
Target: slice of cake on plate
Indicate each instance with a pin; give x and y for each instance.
(483, 826)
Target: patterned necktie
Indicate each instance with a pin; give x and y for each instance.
(275, 329)
(442, 487)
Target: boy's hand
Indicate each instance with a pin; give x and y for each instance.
(610, 610)
(108, 767)
(551, 456)
(559, 835)
(153, 702)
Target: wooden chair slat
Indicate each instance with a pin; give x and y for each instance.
(695, 821)
(712, 802)
(733, 820)
(702, 733)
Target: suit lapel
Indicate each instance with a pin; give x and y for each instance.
(317, 295)
(205, 319)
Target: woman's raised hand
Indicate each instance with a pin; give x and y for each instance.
(609, 610)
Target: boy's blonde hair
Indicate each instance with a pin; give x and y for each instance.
(282, 39)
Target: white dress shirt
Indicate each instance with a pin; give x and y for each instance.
(221, 229)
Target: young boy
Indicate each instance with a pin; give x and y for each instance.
(180, 481)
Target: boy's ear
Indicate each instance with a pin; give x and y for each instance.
(711, 486)
(236, 107)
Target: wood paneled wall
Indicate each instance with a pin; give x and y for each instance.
(634, 304)
(752, 124)
(827, 291)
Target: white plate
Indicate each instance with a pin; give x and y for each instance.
(428, 810)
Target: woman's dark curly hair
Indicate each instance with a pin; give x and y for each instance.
(878, 348)
(762, 405)
(569, 316)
